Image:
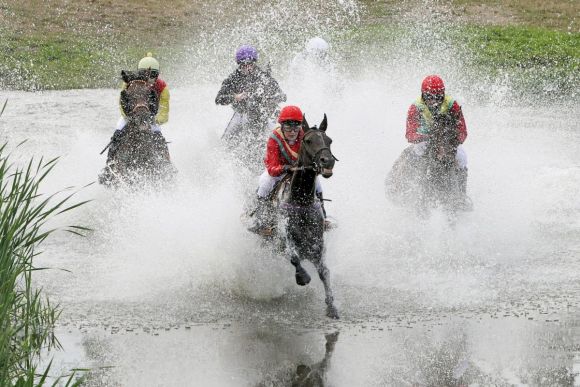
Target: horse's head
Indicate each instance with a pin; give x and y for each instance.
(315, 150)
(137, 99)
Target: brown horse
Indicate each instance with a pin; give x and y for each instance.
(138, 154)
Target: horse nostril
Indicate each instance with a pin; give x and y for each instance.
(323, 160)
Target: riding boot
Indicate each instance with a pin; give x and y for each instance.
(465, 203)
(328, 224)
(321, 198)
(261, 214)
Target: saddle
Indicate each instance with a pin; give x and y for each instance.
(281, 190)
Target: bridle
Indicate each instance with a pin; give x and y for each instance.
(315, 166)
(139, 82)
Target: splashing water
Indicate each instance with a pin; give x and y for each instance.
(182, 255)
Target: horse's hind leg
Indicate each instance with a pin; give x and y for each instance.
(324, 275)
(302, 276)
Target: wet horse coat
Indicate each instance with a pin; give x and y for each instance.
(300, 216)
(426, 181)
(140, 155)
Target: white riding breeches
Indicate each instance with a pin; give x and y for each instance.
(123, 121)
(266, 184)
(461, 156)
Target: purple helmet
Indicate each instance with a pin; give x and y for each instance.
(246, 54)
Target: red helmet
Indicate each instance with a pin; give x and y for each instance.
(433, 84)
(290, 113)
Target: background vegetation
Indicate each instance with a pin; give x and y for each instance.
(60, 44)
(27, 318)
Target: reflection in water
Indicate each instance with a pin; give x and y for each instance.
(455, 353)
(315, 374)
(298, 371)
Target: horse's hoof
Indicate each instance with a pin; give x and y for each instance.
(302, 277)
(332, 312)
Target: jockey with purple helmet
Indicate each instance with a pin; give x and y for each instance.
(250, 90)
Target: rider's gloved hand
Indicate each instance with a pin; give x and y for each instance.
(288, 168)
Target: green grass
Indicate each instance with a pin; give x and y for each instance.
(27, 317)
(54, 61)
(59, 60)
(534, 59)
(537, 60)
(522, 47)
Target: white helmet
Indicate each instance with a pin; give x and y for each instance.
(317, 45)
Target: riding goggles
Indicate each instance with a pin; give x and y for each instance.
(150, 73)
(433, 97)
(247, 65)
(291, 126)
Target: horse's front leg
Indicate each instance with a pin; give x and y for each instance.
(294, 247)
(302, 276)
(324, 275)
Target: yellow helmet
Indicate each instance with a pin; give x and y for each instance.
(148, 63)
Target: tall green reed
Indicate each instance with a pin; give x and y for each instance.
(27, 317)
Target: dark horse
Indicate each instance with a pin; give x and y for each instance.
(424, 182)
(138, 155)
(299, 213)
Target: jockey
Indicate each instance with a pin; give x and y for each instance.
(313, 61)
(434, 104)
(281, 156)
(317, 47)
(251, 91)
(149, 66)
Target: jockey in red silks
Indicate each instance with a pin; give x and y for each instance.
(434, 103)
(281, 156)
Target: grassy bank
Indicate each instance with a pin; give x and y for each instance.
(85, 47)
(56, 61)
(535, 60)
(538, 60)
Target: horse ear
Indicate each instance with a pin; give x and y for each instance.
(124, 76)
(324, 123)
(305, 125)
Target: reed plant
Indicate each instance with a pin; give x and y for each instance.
(27, 317)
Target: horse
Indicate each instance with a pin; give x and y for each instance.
(299, 214)
(140, 155)
(431, 180)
